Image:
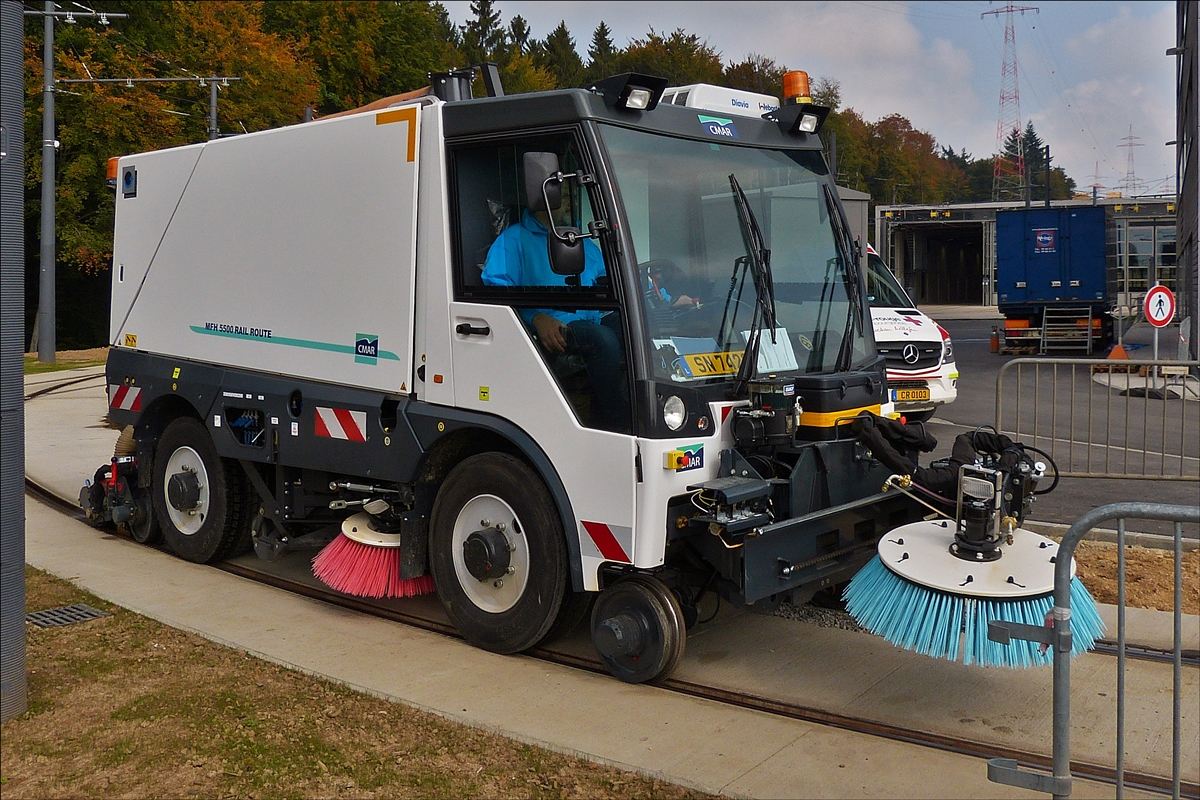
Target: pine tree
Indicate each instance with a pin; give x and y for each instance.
(519, 36)
(602, 55)
(1035, 153)
(483, 37)
(558, 56)
(446, 29)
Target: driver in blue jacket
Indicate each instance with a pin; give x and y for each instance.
(520, 257)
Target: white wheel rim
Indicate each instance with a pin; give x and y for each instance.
(185, 459)
(498, 595)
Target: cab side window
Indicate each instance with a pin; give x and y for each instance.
(491, 198)
(502, 258)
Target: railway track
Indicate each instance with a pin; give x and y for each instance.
(741, 699)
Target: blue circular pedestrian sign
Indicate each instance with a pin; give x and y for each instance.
(1159, 306)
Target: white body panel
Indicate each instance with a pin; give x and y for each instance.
(286, 245)
(508, 378)
(660, 484)
(432, 332)
(141, 222)
(720, 99)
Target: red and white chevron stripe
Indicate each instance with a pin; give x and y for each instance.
(125, 398)
(341, 423)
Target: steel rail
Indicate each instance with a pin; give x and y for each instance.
(1096, 772)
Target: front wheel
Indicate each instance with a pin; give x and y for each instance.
(201, 501)
(497, 553)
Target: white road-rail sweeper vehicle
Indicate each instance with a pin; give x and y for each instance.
(542, 354)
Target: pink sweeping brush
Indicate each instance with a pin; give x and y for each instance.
(365, 562)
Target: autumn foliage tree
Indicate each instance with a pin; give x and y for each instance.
(333, 55)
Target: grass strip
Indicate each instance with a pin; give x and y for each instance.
(125, 706)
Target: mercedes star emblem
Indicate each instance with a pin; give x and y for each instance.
(910, 353)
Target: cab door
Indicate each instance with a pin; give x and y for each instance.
(573, 400)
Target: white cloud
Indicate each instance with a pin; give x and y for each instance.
(1130, 81)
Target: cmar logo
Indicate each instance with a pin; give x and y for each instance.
(690, 456)
(718, 126)
(366, 348)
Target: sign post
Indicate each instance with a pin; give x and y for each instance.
(1159, 307)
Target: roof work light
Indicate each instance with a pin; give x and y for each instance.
(798, 114)
(631, 91)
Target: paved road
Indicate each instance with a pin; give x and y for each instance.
(976, 405)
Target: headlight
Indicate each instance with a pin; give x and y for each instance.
(947, 345)
(674, 413)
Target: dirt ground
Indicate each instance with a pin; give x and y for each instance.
(126, 707)
(1150, 576)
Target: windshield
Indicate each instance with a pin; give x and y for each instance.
(882, 289)
(696, 258)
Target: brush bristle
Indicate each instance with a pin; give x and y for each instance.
(932, 623)
(362, 570)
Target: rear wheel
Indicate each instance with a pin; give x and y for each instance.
(497, 553)
(201, 501)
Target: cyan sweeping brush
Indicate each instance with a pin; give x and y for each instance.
(920, 596)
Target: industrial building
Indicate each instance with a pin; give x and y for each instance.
(946, 254)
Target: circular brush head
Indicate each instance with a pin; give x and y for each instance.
(920, 553)
(920, 596)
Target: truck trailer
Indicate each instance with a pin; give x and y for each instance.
(1051, 280)
(318, 320)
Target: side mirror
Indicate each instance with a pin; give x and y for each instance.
(566, 253)
(540, 188)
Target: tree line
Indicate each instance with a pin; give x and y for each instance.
(298, 59)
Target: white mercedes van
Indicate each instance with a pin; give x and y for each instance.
(921, 372)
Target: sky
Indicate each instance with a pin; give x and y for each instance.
(1087, 71)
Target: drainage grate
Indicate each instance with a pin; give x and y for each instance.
(67, 615)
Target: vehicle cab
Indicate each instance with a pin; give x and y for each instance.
(921, 373)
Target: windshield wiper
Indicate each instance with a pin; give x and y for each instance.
(758, 263)
(845, 246)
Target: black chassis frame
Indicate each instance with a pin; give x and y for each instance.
(409, 444)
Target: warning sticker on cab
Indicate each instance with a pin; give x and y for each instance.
(704, 365)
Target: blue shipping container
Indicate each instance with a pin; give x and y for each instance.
(1050, 256)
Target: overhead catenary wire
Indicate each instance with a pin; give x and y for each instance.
(1053, 69)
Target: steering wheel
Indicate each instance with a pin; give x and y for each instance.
(656, 273)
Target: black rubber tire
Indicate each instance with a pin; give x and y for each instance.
(575, 607)
(527, 621)
(657, 610)
(226, 527)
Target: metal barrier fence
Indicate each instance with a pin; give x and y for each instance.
(1096, 421)
(1006, 771)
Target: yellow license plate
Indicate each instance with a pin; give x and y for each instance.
(903, 395)
(704, 365)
